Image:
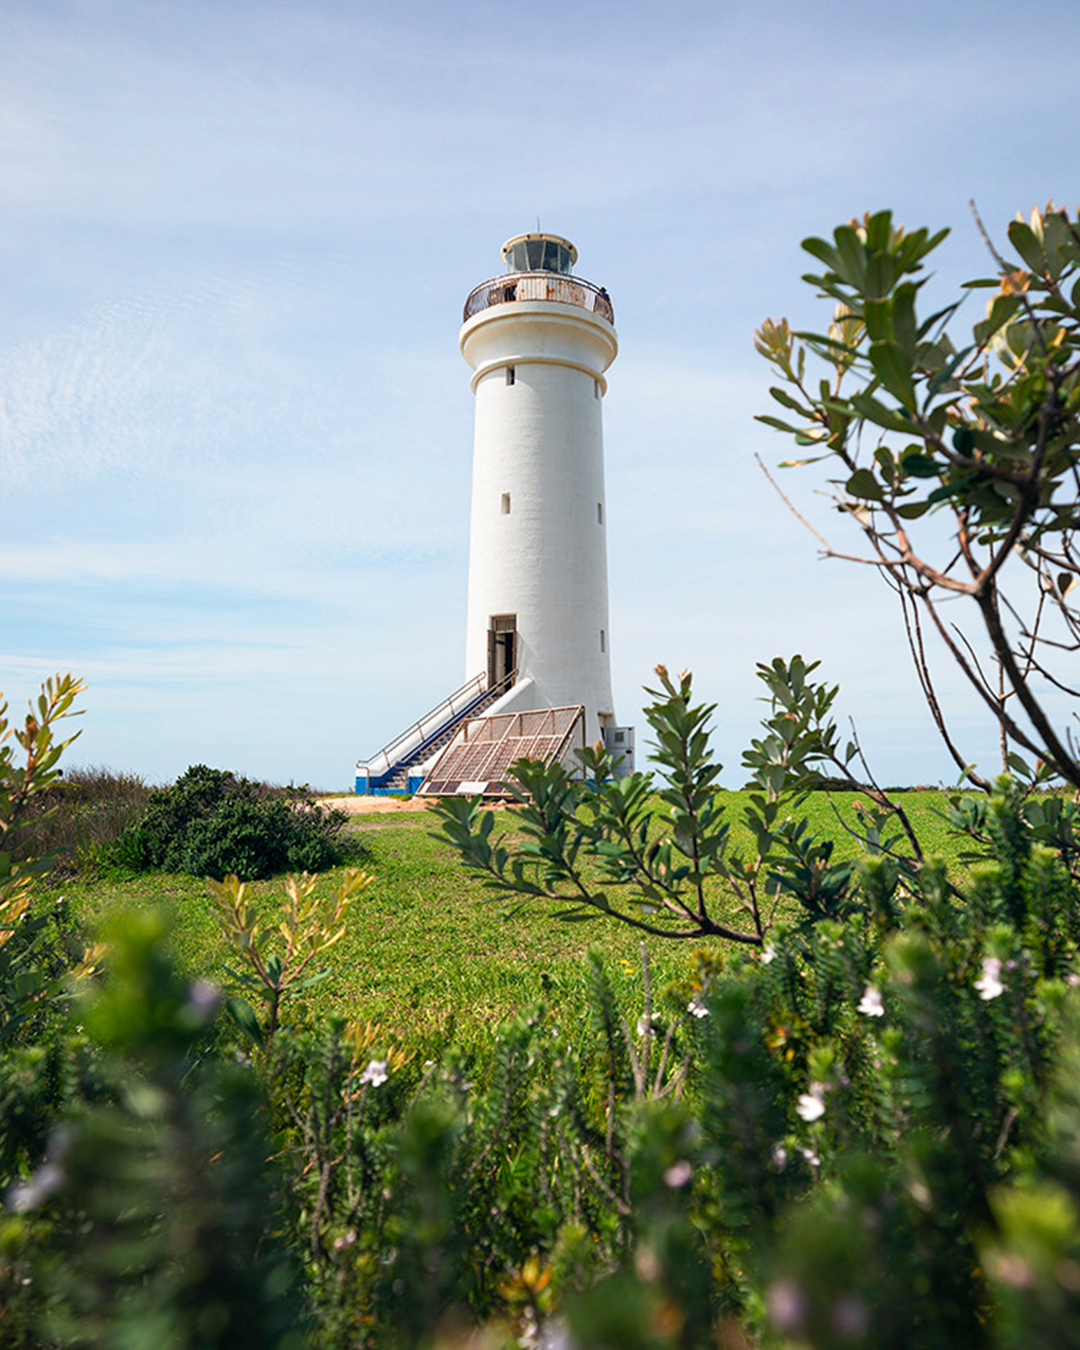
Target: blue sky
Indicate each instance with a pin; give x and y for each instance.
(235, 428)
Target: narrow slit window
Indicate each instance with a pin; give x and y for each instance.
(599, 513)
(511, 375)
(603, 641)
(506, 503)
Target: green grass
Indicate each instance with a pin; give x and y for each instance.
(427, 943)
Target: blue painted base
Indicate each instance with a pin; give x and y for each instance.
(412, 785)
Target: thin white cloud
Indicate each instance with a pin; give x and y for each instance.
(234, 428)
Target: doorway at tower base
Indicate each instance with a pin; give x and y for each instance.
(477, 761)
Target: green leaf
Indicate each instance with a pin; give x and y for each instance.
(945, 374)
(1018, 765)
(823, 251)
(878, 228)
(904, 316)
(310, 980)
(868, 407)
(783, 397)
(955, 488)
(852, 256)
(1001, 311)
(862, 483)
(240, 1010)
(893, 368)
(878, 316)
(914, 464)
(886, 464)
(776, 424)
(1024, 241)
(913, 510)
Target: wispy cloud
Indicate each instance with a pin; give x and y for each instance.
(235, 433)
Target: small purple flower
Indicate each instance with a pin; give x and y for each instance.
(678, 1174)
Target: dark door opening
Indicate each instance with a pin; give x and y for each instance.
(502, 648)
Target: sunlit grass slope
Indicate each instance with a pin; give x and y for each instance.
(427, 943)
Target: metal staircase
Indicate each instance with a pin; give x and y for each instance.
(393, 770)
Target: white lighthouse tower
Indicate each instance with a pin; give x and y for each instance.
(539, 341)
(538, 665)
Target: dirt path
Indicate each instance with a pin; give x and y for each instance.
(355, 805)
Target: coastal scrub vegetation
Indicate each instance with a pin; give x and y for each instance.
(861, 1132)
(211, 823)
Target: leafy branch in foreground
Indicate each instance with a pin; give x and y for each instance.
(37, 951)
(23, 779)
(982, 432)
(310, 927)
(600, 846)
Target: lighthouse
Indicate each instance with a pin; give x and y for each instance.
(539, 341)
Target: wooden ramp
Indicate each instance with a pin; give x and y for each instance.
(477, 761)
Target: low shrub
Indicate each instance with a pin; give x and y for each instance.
(212, 823)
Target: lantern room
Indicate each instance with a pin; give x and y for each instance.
(539, 253)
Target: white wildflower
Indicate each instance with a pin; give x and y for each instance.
(811, 1105)
(871, 1005)
(44, 1184)
(375, 1073)
(554, 1336)
(767, 953)
(696, 1007)
(990, 986)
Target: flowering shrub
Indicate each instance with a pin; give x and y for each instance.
(864, 1132)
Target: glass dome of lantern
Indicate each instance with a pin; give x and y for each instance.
(539, 253)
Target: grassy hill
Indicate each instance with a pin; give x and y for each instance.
(427, 943)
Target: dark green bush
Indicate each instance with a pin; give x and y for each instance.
(212, 823)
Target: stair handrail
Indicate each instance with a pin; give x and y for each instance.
(488, 693)
(474, 688)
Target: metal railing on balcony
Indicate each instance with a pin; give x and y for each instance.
(513, 287)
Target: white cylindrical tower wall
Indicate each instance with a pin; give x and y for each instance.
(538, 547)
